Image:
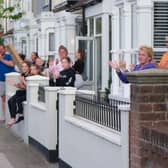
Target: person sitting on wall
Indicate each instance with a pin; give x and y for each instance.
(15, 102)
(35, 70)
(67, 76)
(55, 66)
(79, 67)
(145, 58)
(22, 59)
(163, 64)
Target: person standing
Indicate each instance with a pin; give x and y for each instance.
(6, 66)
(55, 66)
(79, 68)
(34, 56)
(164, 59)
(79, 63)
(145, 59)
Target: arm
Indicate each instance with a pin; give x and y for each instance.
(122, 77)
(7, 61)
(163, 64)
(70, 81)
(22, 83)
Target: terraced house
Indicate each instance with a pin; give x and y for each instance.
(105, 29)
(78, 128)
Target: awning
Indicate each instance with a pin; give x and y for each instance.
(9, 32)
(72, 5)
(83, 3)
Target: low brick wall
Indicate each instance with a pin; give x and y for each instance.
(155, 145)
(149, 108)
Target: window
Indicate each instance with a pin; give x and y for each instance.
(23, 46)
(160, 27)
(51, 37)
(121, 27)
(36, 44)
(134, 25)
(91, 26)
(46, 2)
(134, 33)
(98, 25)
(95, 31)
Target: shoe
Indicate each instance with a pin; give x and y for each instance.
(20, 119)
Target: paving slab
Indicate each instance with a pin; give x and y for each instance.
(14, 153)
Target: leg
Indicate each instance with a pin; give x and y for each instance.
(2, 94)
(13, 110)
(3, 108)
(19, 101)
(12, 106)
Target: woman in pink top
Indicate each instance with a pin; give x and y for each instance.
(55, 66)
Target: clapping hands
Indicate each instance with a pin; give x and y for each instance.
(117, 66)
(121, 65)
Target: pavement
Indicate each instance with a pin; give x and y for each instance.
(14, 153)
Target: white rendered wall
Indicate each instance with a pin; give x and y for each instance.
(83, 144)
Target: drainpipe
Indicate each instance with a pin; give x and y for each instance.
(50, 5)
(84, 26)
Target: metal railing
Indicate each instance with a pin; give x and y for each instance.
(41, 94)
(99, 110)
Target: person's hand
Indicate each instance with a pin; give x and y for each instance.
(21, 78)
(56, 75)
(122, 64)
(114, 65)
(131, 67)
(1, 57)
(153, 61)
(17, 85)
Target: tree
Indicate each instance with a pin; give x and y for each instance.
(12, 12)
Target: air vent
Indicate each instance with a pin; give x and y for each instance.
(160, 26)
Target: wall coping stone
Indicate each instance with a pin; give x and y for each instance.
(150, 76)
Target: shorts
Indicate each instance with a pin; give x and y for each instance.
(2, 88)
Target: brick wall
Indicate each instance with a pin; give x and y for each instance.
(149, 109)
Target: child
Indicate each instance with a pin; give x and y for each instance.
(15, 102)
(67, 76)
